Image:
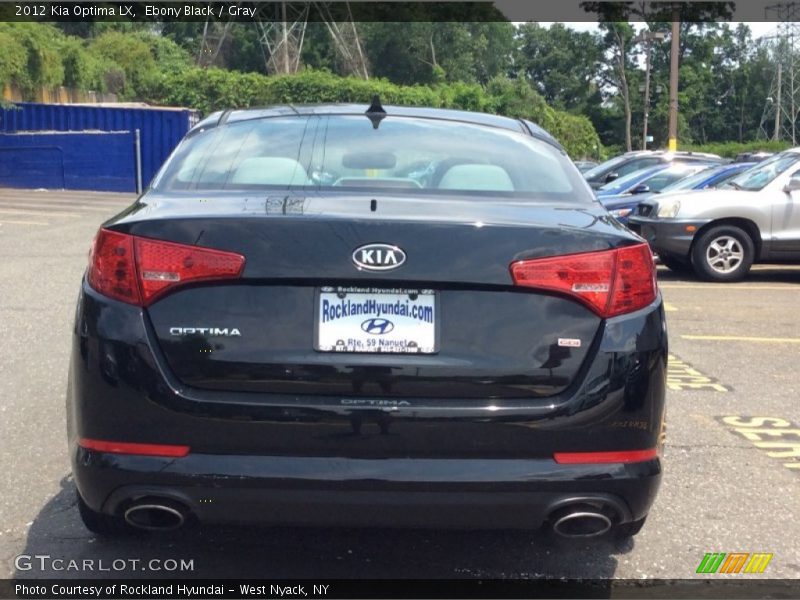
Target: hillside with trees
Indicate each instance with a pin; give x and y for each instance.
(582, 86)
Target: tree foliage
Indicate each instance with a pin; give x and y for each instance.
(585, 87)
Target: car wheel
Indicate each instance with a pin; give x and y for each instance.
(675, 264)
(627, 530)
(723, 253)
(101, 524)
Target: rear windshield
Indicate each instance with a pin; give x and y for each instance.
(401, 155)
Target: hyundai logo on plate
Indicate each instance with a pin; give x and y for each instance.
(377, 326)
(378, 257)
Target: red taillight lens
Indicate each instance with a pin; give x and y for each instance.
(112, 266)
(136, 449)
(593, 458)
(162, 265)
(610, 282)
(139, 270)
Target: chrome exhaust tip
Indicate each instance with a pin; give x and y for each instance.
(582, 523)
(156, 515)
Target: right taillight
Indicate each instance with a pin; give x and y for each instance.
(610, 282)
(138, 270)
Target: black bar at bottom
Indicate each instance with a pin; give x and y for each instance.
(200, 589)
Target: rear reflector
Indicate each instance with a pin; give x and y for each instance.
(138, 270)
(137, 449)
(610, 282)
(622, 456)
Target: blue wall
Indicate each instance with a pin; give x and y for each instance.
(160, 128)
(73, 161)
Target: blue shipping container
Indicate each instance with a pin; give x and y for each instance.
(160, 128)
(68, 160)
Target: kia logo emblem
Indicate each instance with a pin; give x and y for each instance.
(378, 257)
(377, 326)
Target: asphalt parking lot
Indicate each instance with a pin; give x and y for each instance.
(736, 359)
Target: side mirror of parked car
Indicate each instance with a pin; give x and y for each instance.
(792, 185)
(642, 188)
(611, 177)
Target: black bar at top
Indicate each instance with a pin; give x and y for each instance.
(397, 11)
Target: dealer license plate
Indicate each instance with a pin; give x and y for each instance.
(352, 319)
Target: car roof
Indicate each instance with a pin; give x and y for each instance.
(446, 114)
(672, 153)
(244, 114)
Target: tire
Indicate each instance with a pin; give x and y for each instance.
(724, 253)
(101, 524)
(675, 264)
(628, 530)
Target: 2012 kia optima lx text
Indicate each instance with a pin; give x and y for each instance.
(398, 316)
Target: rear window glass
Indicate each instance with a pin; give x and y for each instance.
(403, 154)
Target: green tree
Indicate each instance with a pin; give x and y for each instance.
(561, 63)
(615, 72)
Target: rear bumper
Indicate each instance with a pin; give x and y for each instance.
(455, 493)
(314, 460)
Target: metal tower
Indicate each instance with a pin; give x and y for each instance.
(779, 119)
(281, 28)
(281, 31)
(214, 34)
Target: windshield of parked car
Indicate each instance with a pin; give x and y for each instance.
(605, 167)
(692, 181)
(402, 155)
(763, 173)
(663, 179)
(621, 185)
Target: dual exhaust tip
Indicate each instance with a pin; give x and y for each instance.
(583, 520)
(156, 514)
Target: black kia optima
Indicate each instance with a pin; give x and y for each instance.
(381, 317)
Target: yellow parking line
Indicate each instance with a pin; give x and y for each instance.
(669, 307)
(14, 211)
(741, 338)
(23, 223)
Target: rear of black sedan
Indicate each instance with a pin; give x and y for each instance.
(404, 317)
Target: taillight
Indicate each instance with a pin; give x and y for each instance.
(619, 456)
(137, 449)
(610, 282)
(138, 270)
(112, 267)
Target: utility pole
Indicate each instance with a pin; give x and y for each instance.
(777, 135)
(673, 81)
(647, 37)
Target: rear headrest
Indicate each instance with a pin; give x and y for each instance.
(270, 170)
(476, 177)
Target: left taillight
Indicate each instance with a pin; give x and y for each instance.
(610, 282)
(138, 270)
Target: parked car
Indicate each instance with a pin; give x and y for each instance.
(752, 156)
(713, 176)
(623, 206)
(393, 346)
(621, 196)
(719, 233)
(649, 180)
(634, 161)
(585, 165)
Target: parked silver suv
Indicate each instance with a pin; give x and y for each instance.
(720, 233)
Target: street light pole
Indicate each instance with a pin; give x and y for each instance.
(647, 37)
(646, 94)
